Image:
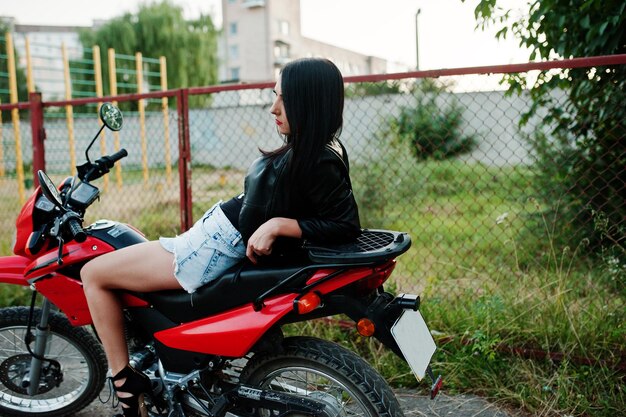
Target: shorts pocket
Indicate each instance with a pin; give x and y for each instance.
(190, 244)
(219, 236)
(213, 267)
(226, 245)
(186, 257)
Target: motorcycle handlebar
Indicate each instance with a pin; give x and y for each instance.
(76, 230)
(112, 159)
(102, 165)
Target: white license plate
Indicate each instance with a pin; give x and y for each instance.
(415, 341)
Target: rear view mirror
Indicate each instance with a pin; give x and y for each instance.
(111, 116)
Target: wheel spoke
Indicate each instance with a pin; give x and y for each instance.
(12, 341)
(316, 384)
(62, 350)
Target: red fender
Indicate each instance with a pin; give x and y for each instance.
(12, 270)
(67, 294)
(232, 333)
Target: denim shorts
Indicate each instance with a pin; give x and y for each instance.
(206, 250)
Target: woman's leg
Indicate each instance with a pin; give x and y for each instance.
(143, 267)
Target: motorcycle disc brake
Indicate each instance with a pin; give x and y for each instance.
(14, 369)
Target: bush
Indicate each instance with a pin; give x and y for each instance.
(432, 128)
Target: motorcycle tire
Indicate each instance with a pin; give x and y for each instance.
(63, 390)
(324, 371)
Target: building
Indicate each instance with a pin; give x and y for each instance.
(46, 44)
(260, 36)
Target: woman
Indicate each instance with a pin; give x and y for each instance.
(301, 190)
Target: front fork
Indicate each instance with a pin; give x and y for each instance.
(42, 331)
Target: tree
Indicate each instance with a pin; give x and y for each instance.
(582, 141)
(159, 29)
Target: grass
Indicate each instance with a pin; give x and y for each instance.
(494, 283)
(496, 287)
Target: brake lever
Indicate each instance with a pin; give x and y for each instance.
(60, 253)
(56, 232)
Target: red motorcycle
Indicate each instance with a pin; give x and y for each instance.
(218, 350)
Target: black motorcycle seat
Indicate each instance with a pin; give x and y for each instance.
(245, 282)
(240, 285)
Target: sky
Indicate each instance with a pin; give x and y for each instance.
(382, 28)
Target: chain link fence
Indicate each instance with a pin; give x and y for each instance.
(440, 155)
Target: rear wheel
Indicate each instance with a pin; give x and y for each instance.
(326, 372)
(62, 390)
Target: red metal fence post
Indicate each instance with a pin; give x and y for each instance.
(38, 133)
(184, 160)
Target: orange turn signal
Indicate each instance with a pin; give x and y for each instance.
(307, 303)
(365, 327)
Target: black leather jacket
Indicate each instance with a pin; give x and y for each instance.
(324, 207)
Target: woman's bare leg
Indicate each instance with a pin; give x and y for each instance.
(143, 267)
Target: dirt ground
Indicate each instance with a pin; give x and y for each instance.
(412, 404)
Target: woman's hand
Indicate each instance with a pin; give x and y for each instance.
(262, 240)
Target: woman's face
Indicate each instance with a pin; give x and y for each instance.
(278, 110)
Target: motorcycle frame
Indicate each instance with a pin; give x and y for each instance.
(230, 333)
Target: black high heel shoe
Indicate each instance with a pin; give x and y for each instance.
(136, 384)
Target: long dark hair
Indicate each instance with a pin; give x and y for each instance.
(313, 95)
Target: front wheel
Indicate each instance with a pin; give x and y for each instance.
(64, 389)
(326, 372)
